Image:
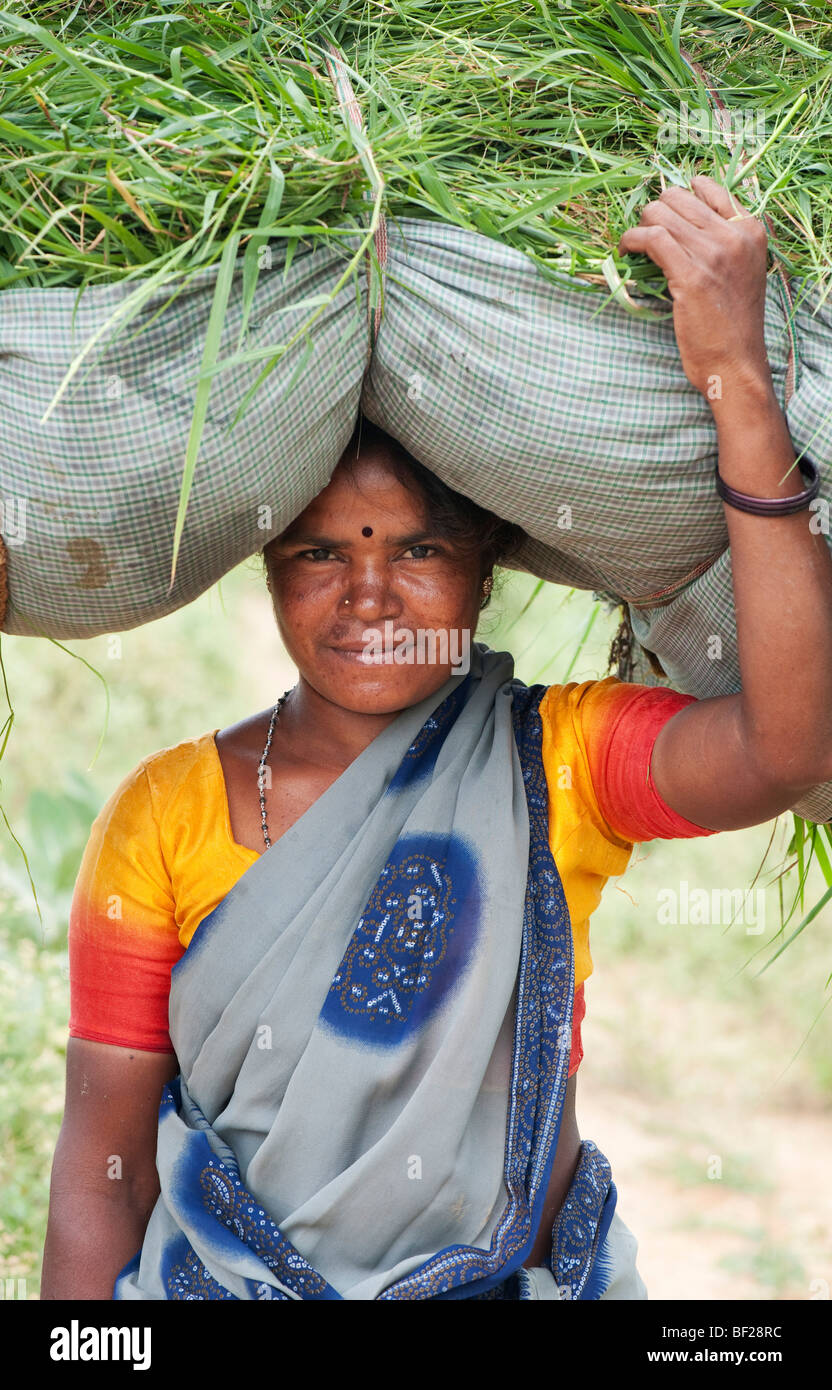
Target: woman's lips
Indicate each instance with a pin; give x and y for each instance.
(362, 656)
(367, 656)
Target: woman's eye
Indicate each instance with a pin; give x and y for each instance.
(320, 553)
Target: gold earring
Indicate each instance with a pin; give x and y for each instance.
(488, 584)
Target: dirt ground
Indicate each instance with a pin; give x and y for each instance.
(761, 1228)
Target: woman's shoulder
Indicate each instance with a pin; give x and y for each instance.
(169, 767)
(162, 778)
(569, 707)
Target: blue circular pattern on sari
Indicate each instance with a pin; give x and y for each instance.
(412, 944)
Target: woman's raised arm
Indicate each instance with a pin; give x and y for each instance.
(737, 760)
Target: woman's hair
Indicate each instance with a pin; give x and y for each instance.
(449, 515)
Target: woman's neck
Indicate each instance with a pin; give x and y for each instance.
(328, 735)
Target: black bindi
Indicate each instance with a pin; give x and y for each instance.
(366, 530)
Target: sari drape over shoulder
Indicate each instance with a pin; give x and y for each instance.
(373, 1032)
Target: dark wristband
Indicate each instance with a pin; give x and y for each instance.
(772, 506)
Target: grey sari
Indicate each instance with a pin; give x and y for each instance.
(373, 1031)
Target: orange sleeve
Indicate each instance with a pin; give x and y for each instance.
(123, 934)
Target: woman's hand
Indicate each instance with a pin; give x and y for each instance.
(713, 254)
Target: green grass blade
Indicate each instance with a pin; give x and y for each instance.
(810, 917)
(99, 676)
(587, 629)
(251, 262)
(219, 304)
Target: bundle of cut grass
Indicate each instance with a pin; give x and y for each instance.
(136, 137)
(168, 160)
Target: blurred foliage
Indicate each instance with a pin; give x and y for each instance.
(54, 831)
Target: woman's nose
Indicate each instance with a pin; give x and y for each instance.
(370, 596)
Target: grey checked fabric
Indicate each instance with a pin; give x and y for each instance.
(537, 399)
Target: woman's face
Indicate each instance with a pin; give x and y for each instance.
(358, 572)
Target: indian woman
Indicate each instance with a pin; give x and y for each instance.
(327, 965)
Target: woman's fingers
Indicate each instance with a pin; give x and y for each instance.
(655, 240)
(717, 197)
(693, 209)
(691, 236)
(695, 221)
(713, 255)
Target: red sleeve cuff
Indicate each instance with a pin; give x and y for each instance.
(578, 1013)
(139, 1043)
(627, 797)
(119, 982)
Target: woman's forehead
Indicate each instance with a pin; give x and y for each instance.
(371, 483)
